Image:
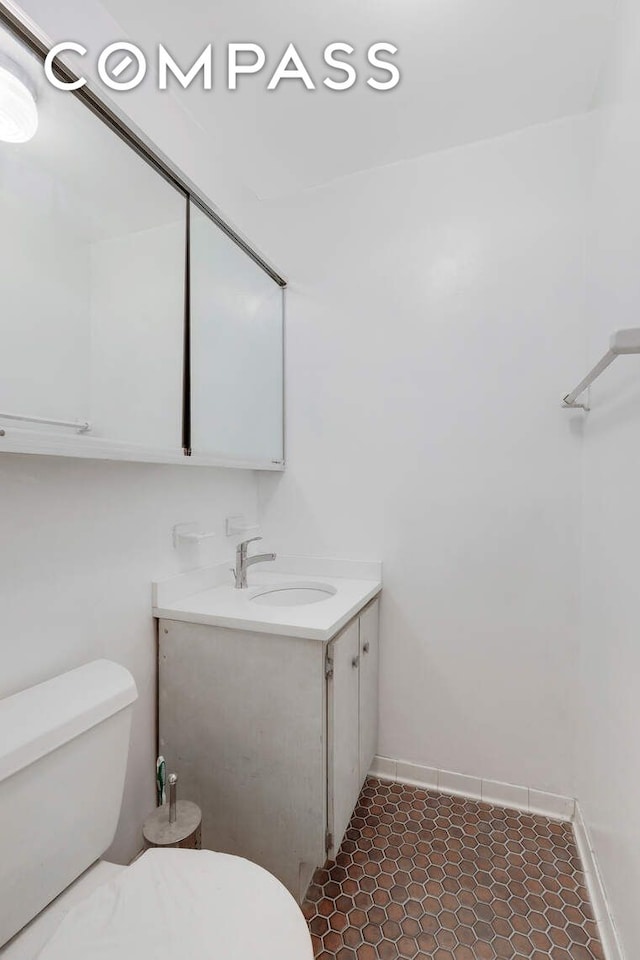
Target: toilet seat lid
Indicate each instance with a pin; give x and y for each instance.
(184, 905)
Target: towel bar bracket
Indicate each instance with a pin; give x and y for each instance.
(622, 342)
(572, 405)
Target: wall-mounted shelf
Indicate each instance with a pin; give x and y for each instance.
(16, 440)
(622, 342)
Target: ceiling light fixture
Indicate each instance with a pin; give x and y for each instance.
(18, 110)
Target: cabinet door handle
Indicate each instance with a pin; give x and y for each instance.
(365, 647)
(355, 661)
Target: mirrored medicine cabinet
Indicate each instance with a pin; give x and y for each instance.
(134, 323)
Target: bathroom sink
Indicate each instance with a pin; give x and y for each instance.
(292, 594)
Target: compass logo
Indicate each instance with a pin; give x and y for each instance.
(123, 66)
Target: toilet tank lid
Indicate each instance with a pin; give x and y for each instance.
(40, 719)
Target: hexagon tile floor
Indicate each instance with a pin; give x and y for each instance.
(421, 874)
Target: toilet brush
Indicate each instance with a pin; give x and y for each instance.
(176, 823)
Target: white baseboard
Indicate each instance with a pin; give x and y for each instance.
(526, 799)
(508, 795)
(604, 918)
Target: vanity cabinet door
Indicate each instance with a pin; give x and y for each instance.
(342, 730)
(369, 658)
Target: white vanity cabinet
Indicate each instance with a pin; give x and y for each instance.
(272, 736)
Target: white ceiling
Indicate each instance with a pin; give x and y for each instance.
(472, 69)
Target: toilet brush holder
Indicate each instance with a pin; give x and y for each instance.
(177, 823)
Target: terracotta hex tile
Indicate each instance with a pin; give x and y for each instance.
(503, 948)
(537, 918)
(410, 927)
(501, 927)
(407, 947)
(465, 916)
(357, 918)
(324, 907)
(484, 951)
(540, 941)
(372, 933)
(318, 926)
(484, 911)
(555, 918)
(522, 924)
(592, 929)
(463, 953)
(376, 915)
(387, 950)
(522, 944)
(426, 942)
(423, 875)
(483, 930)
(395, 911)
(338, 921)
(413, 909)
(332, 942)
(344, 903)
(466, 936)
(366, 952)
(351, 936)
(448, 920)
(502, 909)
(429, 923)
(391, 930)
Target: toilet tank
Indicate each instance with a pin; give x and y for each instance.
(63, 757)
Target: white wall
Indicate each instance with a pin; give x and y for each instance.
(609, 757)
(433, 322)
(82, 542)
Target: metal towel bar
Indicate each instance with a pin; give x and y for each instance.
(82, 426)
(622, 342)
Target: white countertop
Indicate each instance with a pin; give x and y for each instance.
(208, 596)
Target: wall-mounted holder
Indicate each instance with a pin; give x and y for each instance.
(238, 527)
(622, 342)
(188, 533)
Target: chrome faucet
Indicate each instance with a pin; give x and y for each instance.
(243, 562)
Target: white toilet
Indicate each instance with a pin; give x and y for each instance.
(63, 754)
